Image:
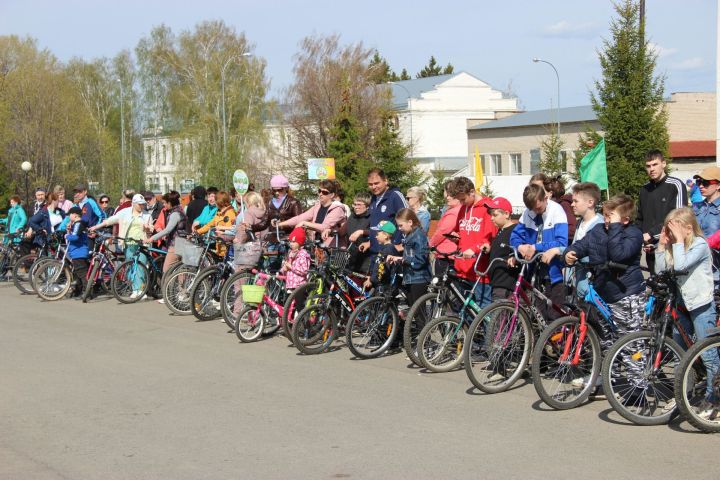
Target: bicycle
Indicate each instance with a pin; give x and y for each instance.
(697, 398)
(54, 278)
(101, 267)
(567, 356)
(139, 276)
(206, 288)
(261, 313)
(501, 336)
(26, 266)
(10, 252)
(638, 372)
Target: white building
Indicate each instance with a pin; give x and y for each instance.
(433, 115)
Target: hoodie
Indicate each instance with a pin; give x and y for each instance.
(475, 227)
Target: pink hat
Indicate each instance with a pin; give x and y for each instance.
(279, 181)
(501, 203)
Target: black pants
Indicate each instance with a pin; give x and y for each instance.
(499, 293)
(556, 294)
(80, 269)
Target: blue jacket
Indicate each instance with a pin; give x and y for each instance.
(424, 216)
(207, 214)
(41, 222)
(15, 220)
(416, 258)
(77, 241)
(618, 243)
(384, 208)
(91, 213)
(708, 216)
(554, 228)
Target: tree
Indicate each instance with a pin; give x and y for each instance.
(347, 149)
(629, 101)
(390, 154)
(436, 192)
(433, 69)
(404, 75)
(381, 71)
(551, 162)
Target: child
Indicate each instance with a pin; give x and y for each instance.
(415, 259)
(682, 247)
(298, 260)
(384, 237)
(502, 276)
(619, 240)
(78, 252)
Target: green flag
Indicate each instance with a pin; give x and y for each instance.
(593, 166)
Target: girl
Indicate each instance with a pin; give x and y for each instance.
(224, 219)
(416, 255)
(297, 263)
(682, 247)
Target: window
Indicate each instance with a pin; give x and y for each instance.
(182, 153)
(515, 164)
(173, 152)
(164, 150)
(492, 164)
(148, 155)
(534, 161)
(167, 185)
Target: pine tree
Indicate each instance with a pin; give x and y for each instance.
(551, 163)
(436, 192)
(629, 101)
(404, 75)
(382, 73)
(346, 147)
(432, 69)
(390, 154)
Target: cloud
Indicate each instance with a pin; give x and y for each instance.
(689, 64)
(565, 29)
(661, 51)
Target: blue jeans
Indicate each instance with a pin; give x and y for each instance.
(132, 251)
(483, 294)
(703, 319)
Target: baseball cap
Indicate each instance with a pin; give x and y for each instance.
(501, 203)
(80, 187)
(387, 227)
(709, 173)
(40, 189)
(138, 198)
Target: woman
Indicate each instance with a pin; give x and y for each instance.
(176, 221)
(416, 201)
(446, 225)
(326, 215)
(252, 216)
(63, 202)
(104, 204)
(282, 206)
(223, 220)
(49, 219)
(15, 220)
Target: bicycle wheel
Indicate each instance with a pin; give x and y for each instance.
(500, 343)
(21, 272)
(372, 327)
(231, 300)
(294, 303)
(565, 369)
(250, 323)
(171, 270)
(441, 343)
(53, 280)
(156, 285)
(315, 329)
(91, 280)
(176, 290)
(130, 281)
(205, 295)
(639, 380)
(691, 387)
(425, 309)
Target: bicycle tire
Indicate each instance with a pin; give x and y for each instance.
(250, 323)
(176, 290)
(441, 344)
(372, 328)
(559, 383)
(201, 301)
(492, 364)
(294, 304)
(691, 386)
(122, 281)
(53, 280)
(315, 329)
(231, 303)
(156, 285)
(90, 281)
(171, 270)
(619, 390)
(21, 272)
(425, 306)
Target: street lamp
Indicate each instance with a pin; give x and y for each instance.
(122, 136)
(26, 167)
(536, 60)
(222, 85)
(412, 143)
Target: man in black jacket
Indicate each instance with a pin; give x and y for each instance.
(658, 197)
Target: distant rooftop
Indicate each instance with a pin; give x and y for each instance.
(416, 87)
(584, 113)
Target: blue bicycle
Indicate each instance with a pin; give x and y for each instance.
(140, 275)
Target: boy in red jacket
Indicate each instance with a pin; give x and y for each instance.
(475, 231)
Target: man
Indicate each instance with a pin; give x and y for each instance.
(708, 210)
(385, 202)
(658, 197)
(152, 207)
(39, 200)
(91, 213)
(125, 200)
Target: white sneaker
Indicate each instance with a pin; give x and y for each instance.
(707, 410)
(496, 377)
(135, 294)
(669, 406)
(162, 300)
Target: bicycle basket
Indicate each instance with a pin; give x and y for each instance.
(248, 253)
(180, 245)
(339, 259)
(252, 293)
(191, 255)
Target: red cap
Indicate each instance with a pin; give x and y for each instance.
(501, 203)
(297, 235)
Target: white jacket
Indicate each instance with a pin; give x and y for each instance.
(697, 286)
(125, 217)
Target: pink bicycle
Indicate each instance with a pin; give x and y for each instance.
(264, 307)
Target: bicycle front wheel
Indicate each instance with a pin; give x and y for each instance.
(315, 329)
(250, 323)
(499, 346)
(639, 378)
(441, 344)
(130, 281)
(294, 303)
(176, 289)
(697, 397)
(53, 280)
(565, 367)
(23, 270)
(231, 300)
(203, 304)
(372, 328)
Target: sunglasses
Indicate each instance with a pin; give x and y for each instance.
(278, 190)
(409, 198)
(705, 183)
(323, 192)
(104, 201)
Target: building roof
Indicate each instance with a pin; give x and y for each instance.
(549, 116)
(415, 87)
(692, 148)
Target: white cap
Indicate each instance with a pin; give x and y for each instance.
(138, 198)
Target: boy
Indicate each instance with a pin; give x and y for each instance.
(78, 251)
(543, 226)
(585, 198)
(378, 270)
(619, 240)
(357, 228)
(502, 276)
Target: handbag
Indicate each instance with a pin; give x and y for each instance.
(247, 253)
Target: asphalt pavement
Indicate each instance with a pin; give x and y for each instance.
(109, 391)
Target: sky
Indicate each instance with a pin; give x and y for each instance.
(492, 40)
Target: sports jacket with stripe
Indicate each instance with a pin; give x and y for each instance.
(656, 200)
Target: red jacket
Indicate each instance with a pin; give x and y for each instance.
(474, 224)
(446, 224)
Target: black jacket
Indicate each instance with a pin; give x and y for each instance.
(501, 275)
(657, 200)
(194, 209)
(289, 208)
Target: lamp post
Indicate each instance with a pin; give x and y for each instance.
(26, 167)
(222, 88)
(412, 143)
(122, 137)
(536, 60)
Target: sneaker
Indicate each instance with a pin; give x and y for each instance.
(708, 410)
(496, 377)
(162, 301)
(579, 382)
(135, 294)
(669, 406)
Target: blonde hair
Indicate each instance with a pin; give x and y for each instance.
(419, 192)
(254, 199)
(686, 217)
